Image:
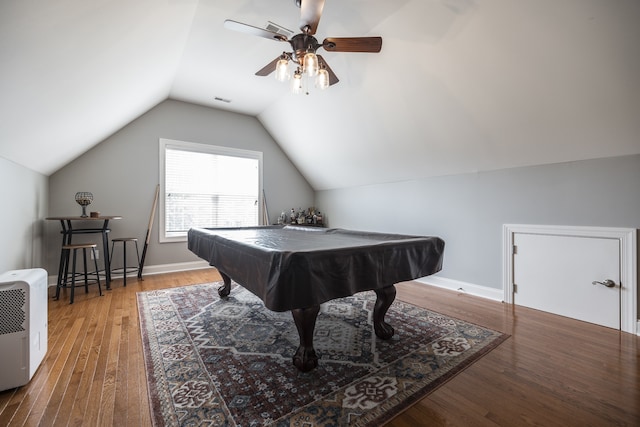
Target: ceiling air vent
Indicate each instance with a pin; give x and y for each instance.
(279, 29)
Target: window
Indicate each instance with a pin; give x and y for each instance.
(207, 186)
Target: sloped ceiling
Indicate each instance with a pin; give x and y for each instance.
(459, 86)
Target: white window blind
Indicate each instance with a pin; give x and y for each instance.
(208, 186)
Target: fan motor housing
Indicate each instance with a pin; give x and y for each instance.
(301, 43)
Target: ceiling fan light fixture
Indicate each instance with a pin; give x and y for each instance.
(282, 70)
(306, 63)
(310, 64)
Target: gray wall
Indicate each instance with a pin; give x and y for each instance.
(24, 202)
(122, 173)
(468, 211)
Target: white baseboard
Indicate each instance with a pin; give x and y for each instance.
(179, 266)
(459, 286)
(155, 269)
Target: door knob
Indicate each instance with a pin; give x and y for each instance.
(608, 283)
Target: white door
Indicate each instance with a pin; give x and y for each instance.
(557, 273)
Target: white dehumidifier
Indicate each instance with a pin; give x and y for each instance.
(23, 325)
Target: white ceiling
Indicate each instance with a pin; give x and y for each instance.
(459, 86)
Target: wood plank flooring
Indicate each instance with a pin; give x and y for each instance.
(553, 371)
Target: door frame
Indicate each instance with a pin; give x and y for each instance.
(628, 262)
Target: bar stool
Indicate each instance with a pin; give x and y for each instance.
(124, 269)
(73, 247)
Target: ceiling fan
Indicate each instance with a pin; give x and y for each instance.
(305, 45)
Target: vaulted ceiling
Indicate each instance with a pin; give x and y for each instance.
(459, 86)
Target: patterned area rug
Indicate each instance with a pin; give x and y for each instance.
(228, 362)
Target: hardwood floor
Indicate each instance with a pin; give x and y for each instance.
(553, 371)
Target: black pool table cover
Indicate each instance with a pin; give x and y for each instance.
(291, 267)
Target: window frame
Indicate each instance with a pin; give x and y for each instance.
(205, 149)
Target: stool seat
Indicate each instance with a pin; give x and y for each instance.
(125, 269)
(73, 248)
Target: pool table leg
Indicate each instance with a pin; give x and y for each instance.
(225, 289)
(305, 358)
(383, 302)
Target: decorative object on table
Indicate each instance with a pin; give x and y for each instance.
(94, 214)
(282, 219)
(84, 199)
(302, 217)
(197, 347)
(314, 217)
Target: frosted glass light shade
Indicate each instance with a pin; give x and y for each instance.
(296, 86)
(310, 64)
(282, 70)
(322, 81)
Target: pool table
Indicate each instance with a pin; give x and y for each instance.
(298, 268)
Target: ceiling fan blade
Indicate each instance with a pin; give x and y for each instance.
(310, 13)
(352, 44)
(254, 31)
(333, 79)
(269, 68)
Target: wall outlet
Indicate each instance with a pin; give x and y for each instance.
(97, 254)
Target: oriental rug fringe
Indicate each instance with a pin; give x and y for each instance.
(227, 362)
